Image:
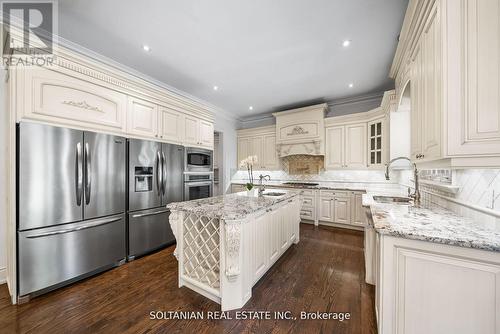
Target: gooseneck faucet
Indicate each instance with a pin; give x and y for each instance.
(261, 183)
(416, 194)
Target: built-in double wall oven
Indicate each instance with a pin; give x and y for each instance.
(198, 173)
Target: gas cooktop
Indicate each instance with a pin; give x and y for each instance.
(311, 184)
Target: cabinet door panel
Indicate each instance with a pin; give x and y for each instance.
(171, 124)
(416, 104)
(326, 209)
(355, 151)
(270, 159)
(56, 97)
(206, 133)
(342, 210)
(142, 118)
(431, 113)
(274, 235)
(191, 132)
(334, 147)
(259, 247)
(243, 150)
(284, 232)
(357, 210)
(256, 149)
(473, 73)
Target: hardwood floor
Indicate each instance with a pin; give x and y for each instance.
(324, 272)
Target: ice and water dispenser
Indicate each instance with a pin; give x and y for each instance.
(143, 179)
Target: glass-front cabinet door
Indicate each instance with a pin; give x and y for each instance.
(376, 143)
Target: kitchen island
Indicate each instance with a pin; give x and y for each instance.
(225, 244)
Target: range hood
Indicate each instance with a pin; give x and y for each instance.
(301, 131)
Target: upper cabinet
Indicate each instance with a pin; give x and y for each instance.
(58, 98)
(358, 141)
(198, 132)
(171, 125)
(260, 142)
(82, 93)
(142, 118)
(449, 52)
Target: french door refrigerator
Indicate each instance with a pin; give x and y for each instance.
(155, 179)
(71, 205)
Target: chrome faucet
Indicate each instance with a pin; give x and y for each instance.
(261, 183)
(416, 194)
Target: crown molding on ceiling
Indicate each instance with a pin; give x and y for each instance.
(331, 104)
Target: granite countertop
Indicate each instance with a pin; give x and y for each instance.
(330, 185)
(232, 206)
(430, 223)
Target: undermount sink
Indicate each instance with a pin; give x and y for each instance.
(273, 193)
(392, 199)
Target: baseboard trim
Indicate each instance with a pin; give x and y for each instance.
(3, 275)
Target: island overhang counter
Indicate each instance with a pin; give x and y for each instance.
(225, 244)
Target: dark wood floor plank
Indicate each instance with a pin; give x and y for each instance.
(324, 272)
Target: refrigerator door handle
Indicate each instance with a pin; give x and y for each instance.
(79, 228)
(79, 174)
(150, 213)
(159, 175)
(88, 174)
(164, 171)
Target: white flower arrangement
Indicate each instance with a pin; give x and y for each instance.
(249, 162)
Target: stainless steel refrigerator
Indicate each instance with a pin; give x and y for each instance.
(71, 205)
(155, 179)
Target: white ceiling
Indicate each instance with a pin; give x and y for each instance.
(269, 54)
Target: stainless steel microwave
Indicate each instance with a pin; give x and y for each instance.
(198, 160)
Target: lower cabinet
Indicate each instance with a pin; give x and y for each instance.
(455, 289)
(341, 207)
(274, 231)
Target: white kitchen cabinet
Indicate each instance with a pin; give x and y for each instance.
(142, 118)
(53, 97)
(473, 76)
(376, 145)
(355, 146)
(198, 132)
(455, 289)
(171, 124)
(263, 225)
(274, 235)
(334, 146)
(326, 209)
(191, 134)
(346, 146)
(452, 58)
(270, 160)
(358, 216)
(260, 142)
(342, 209)
(285, 230)
(206, 130)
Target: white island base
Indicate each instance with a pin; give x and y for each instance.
(222, 259)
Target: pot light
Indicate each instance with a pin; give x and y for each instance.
(146, 48)
(216, 87)
(346, 43)
(351, 85)
(250, 108)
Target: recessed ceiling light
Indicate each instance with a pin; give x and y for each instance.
(146, 48)
(216, 87)
(250, 108)
(346, 43)
(351, 85)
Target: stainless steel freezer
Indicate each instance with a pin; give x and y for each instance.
(71, 204)
(155, 179)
